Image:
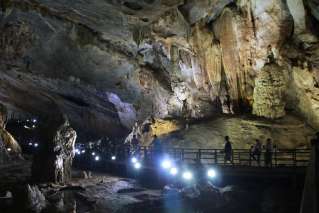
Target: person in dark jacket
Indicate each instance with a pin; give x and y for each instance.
(228, 150)
(257, 151)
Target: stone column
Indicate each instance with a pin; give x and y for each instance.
(4, 157)
(53, 162)
(269, 92)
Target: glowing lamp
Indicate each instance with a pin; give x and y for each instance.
(187, 175)
(211, 173)
(173, 171)
(166, 164)
(137, 165)
(134, 160)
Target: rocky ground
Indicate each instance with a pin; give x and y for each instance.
(104, 193)
(289, 132)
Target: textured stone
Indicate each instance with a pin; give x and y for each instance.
(305, 94)
(112, 63)
(36, 201)
(287, 133)
(53, 162)
(269, 92)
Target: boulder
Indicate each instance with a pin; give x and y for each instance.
(36, 201)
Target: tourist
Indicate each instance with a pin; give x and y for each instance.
(257, 151)
(268, 153)
(228, 150)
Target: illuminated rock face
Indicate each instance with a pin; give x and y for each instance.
(9, 147)
(269, 92)
(109, 63)
(53, 163)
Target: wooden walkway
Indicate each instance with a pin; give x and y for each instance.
(240, 157)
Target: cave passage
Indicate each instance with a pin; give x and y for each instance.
(159, 106)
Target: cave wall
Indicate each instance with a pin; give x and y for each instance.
(122, 61)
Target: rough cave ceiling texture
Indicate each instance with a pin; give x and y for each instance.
(108, 63)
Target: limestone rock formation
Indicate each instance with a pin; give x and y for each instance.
(109, 64)
(36, 201)
(269, 92)
(306, 95)
(54, 161)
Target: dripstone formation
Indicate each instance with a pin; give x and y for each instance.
(53, 162)
(111, 64)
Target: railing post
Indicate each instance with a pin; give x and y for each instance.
(232, 157)
(275, 157)
(199, 155)
(250, 157)
(182, 155)
(215, 156)
(294, 157)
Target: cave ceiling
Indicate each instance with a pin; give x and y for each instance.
(109, 63)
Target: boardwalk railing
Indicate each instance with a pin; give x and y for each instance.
(240, 157)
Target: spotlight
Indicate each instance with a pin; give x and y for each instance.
(83, 151)
(211, 173)
(137, 165)
(97, 158)
(30, 144)
(166, 164)
(93, 153)
(34, 120)
(187, 175)
(9, 149)
(77, 151)
(134, 160)
(173, 171)
(36, 145)
(113, 158)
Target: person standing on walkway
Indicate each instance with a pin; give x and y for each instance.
(228, 150)
(268, 153)
(257, 151)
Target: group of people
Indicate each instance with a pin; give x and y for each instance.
(254, 154)
(255, 151)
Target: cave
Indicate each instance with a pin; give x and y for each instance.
(159, 106)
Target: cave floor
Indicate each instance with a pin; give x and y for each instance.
(105, 193)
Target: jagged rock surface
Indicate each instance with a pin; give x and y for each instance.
(54, 161)
(36, 201)
(112, 63)
(269, 92)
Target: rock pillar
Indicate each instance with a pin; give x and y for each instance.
(4, 157)
(269, 92)
(53, 162)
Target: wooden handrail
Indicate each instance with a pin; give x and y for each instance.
(280, 157)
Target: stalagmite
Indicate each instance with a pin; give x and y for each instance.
(269, 92)
(54, 161)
